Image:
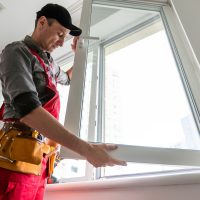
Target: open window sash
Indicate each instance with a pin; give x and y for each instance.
(138, 154)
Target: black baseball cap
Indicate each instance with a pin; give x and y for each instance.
(62, 15)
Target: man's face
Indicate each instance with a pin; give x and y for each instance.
(53, 35)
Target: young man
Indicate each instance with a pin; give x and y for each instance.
(31, 107)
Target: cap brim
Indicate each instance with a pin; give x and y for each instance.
(74, 31)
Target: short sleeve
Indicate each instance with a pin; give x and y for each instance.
(61, 76)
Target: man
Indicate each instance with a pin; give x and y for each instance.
(31, 105)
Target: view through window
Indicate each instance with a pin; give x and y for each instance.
(142, 99)
(145, 101)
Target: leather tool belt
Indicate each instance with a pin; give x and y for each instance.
(22, 148)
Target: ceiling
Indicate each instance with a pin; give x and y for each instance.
(17, 17)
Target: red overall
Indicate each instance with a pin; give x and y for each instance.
(19, 186)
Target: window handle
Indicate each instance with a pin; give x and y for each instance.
(89, 38)
(83, 41)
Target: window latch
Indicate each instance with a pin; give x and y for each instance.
(83, 41)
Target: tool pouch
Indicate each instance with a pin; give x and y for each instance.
(26, 149)
(21, 153)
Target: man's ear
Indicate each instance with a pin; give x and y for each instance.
(42, 21)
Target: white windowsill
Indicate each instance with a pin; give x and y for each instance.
(192, 177)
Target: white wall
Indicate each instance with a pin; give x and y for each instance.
(188, 14)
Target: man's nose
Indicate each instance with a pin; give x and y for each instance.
(61, 42)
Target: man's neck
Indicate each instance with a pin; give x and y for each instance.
(36, 40)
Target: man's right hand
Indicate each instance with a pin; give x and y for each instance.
(98, 155)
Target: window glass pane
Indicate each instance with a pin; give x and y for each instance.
(63, 92)
(145, 102)
(86, 98)
(67, 168)
(144, 99)
(141, 93)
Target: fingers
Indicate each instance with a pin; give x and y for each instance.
(110, 147)
(107, 147)
(119, 162)
(74, 43)
(99, 156)
(113, 163)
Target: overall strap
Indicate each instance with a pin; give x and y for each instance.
(2, 111)
(47, 76)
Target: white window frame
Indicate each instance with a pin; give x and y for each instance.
(185, 57)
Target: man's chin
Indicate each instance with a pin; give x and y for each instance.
(51, 50)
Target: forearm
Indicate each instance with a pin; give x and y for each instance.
(44, 123)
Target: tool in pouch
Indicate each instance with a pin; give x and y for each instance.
(53, 159)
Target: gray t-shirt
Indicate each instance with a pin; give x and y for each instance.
(21, 72)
